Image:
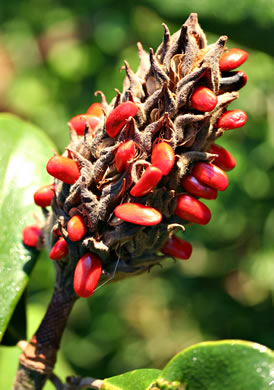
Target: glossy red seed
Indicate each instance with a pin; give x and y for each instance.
(243, 77)
(163, 157)
(138, 214)
(96, 109)
(211, 175)
(191, 209)
(56, 232)
(64, 169)
(203, 99)
(147, 182)
(225, 160)
(76, 228)
(119, 116)
(232, 119)
(177, 247)
(31, 235)
(232, 81)
(195, 187)
(59, 249)
(232, 58)
(124, 156)
(43, 196)
(78, 122)
(87, 274)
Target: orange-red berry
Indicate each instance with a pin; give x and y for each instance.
(76, 228)
(87, 274)
(147, 182)
(79, 122)
(224, 160)
(232, 58)
(124, 155)
(138, 214)
(96, 110)
(195, 187)
(119, 116)
(203, 99)
(163, 157)
(59, 249)
(64, 169)
(31, 235)
(211, 175)
(43, 196)
(191, 209)
(232, 119)
(177, 247)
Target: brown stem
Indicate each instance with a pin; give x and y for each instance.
(39, 357)
(56, 381)
(78, 383)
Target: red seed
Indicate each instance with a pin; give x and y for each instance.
(119, 116)
(225, 160)
(43, 196)
(56, 232)
(163, 157)
(96, 109)
(232, 81)
(243, 77)
(203, 99)
(31, 235)
(177, 247)
(87, 274)
(211, 175)
(59, 249)
(231, 119)
(124, 156)
(195, 187)
(64, 169)
(78, 122)
(138, 214)
(192, 210)
(232, 59)
(76, 228)
(147, 182)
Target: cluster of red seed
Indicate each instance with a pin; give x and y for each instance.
(205, 179)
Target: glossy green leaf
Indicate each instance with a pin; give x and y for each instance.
(221, 365)
(17, 326)
(133, 380)
(24, 152)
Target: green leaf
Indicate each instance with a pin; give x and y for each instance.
(24, 152)
(133, 380)
(220, 365)
(17, 327)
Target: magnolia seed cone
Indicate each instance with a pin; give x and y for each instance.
(161, 88)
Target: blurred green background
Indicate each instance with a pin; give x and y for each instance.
(53, 56)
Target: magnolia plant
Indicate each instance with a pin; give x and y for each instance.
(133, 175)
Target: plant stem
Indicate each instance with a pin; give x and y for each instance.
(39, 357)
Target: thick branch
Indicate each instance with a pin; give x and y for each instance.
(39, 357)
